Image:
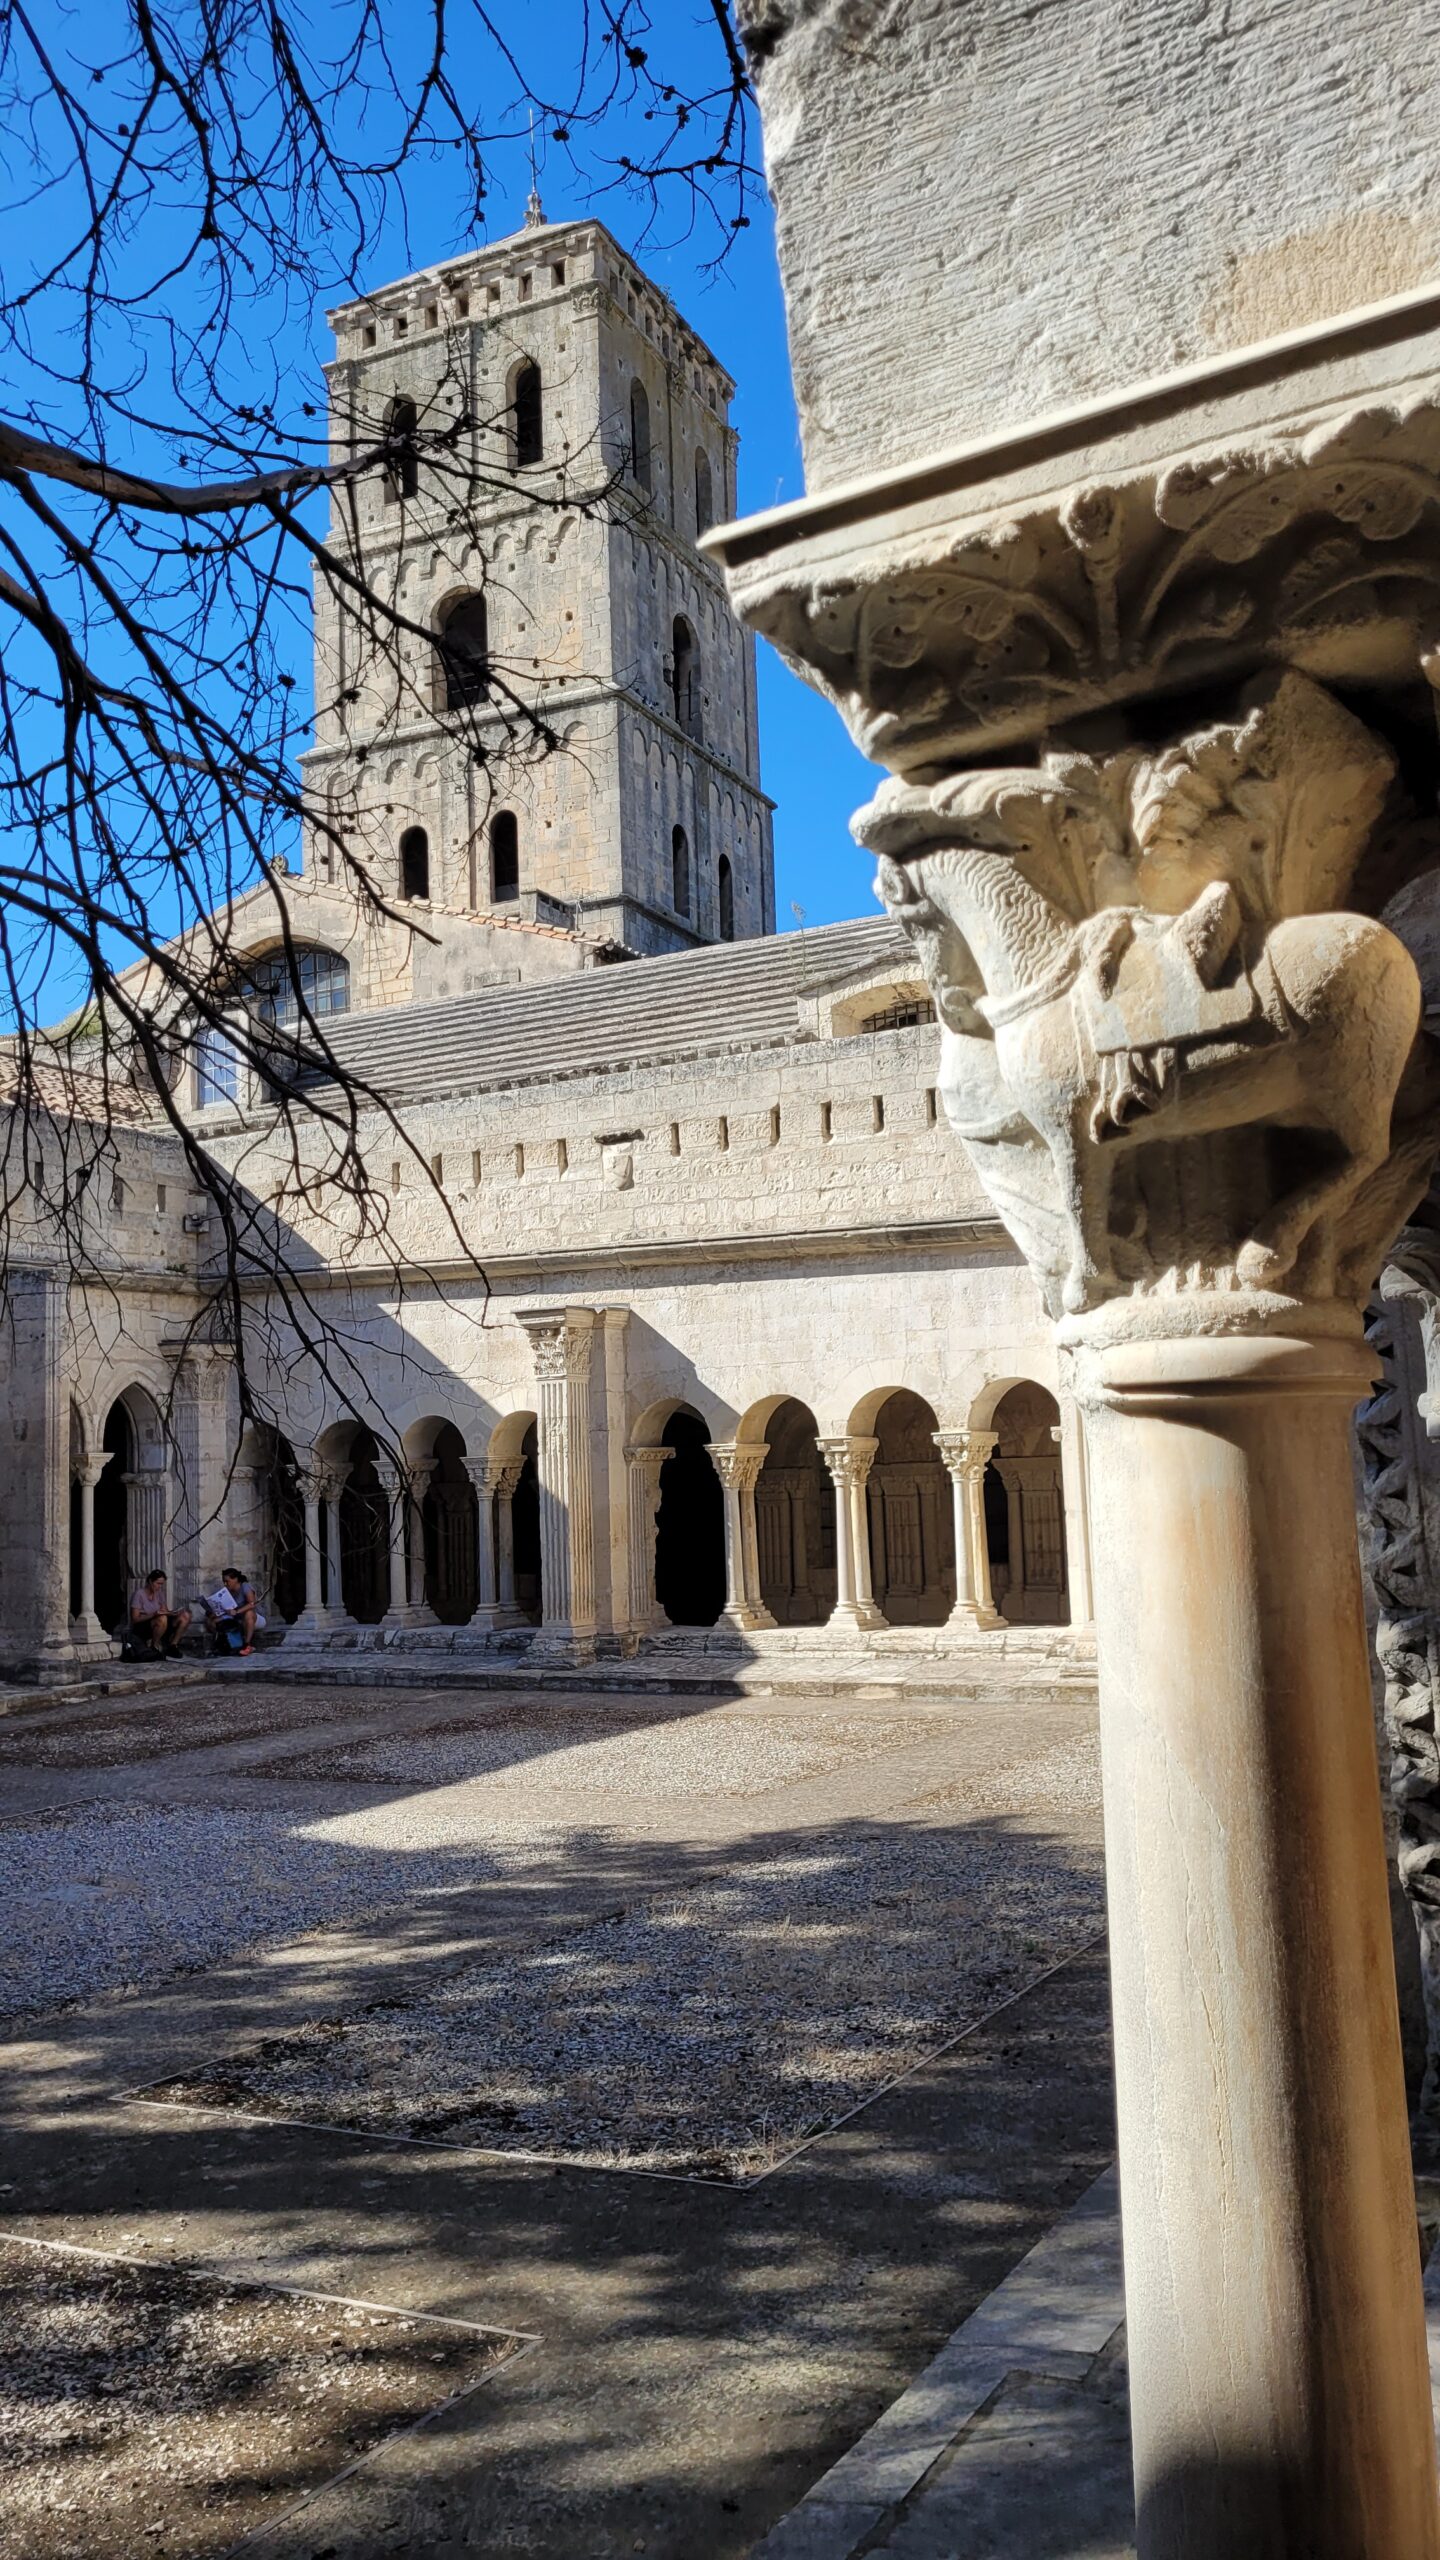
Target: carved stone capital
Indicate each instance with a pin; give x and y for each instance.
(965, 1454)
(942, 630)
(1189, 1071)
(559, 1342)
(737, 1462)
(848, 1458)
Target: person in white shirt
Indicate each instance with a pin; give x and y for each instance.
(236, 1604)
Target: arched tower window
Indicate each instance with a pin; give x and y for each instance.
(684, 677)
(464, 652)
(504, 857)
(414, 863)
(402, 471)
(640, 433)
(704, 495)
(527, 418)
(680, 871)
(725, 898)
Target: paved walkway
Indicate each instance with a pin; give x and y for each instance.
(838, 1965)
(1014, 2443)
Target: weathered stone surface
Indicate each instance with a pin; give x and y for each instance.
(988, 211)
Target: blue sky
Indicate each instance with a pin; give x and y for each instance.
(276, 339)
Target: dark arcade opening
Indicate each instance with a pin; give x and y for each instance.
(364, 1535)
(525, 1531)
(690, 1528)
(448, 1519)
(112, 1558)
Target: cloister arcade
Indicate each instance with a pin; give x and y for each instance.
(887, 1524)
(892, 1523)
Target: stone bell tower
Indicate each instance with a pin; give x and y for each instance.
(559, 576)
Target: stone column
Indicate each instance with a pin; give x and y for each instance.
(314, 1481)
(560, 1342)
(147, 1522)
(334, 1572)
(507, 1478)
(862, 1459)
(737, 1464)
(86, 1471)
(1182, 1052)
(485, 1475)
(393, 1485)
(849, 1466)
(1075, 1499)
(965, 1455)
(417, 1482)
(643, 1472)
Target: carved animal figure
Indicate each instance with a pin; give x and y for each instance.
(1122, 1025)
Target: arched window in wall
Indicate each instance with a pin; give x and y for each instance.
(402, 471)
(463, 648)
(527, 418)
(683, 674)
(319, 979)
(504, 857)
(680, 871)
(725, 898)
(704, 495)
(217, 1067)
(414, 863)
(640, 463)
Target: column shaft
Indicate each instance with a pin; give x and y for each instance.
(966, 1454)
(1280, 2397)
(485, 1475)
(643, 1471)
(506, 1483)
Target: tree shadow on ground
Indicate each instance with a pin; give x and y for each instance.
(707, 2349)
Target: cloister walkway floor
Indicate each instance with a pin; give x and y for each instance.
(701, 2063)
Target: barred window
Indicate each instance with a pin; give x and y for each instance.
(901, 1015)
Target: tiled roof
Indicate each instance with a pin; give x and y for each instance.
(68, 1092)
(727, 995)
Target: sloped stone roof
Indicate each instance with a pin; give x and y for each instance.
(728, 995)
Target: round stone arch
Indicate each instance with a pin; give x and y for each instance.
(133, 1495)
(513, 1445)
(1024, 1497)
(910, 1511)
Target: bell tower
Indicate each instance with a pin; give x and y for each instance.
(547, 572)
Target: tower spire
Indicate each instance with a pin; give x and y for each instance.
(534, 209)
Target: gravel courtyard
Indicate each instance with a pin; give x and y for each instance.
(724, 2052)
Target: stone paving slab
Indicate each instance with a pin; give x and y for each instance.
(1014, 2443)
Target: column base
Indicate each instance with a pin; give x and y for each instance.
(563, 1644)
(749, 1617)
(968, 1618)
(317, 1622)
(860, 1615)
(86, 1635)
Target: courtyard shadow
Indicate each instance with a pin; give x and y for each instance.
(871, 2059)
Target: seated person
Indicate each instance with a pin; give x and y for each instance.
(233, 1610)
(154, 1626)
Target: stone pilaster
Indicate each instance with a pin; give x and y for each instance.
(560, 1342)
(643, 1472)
